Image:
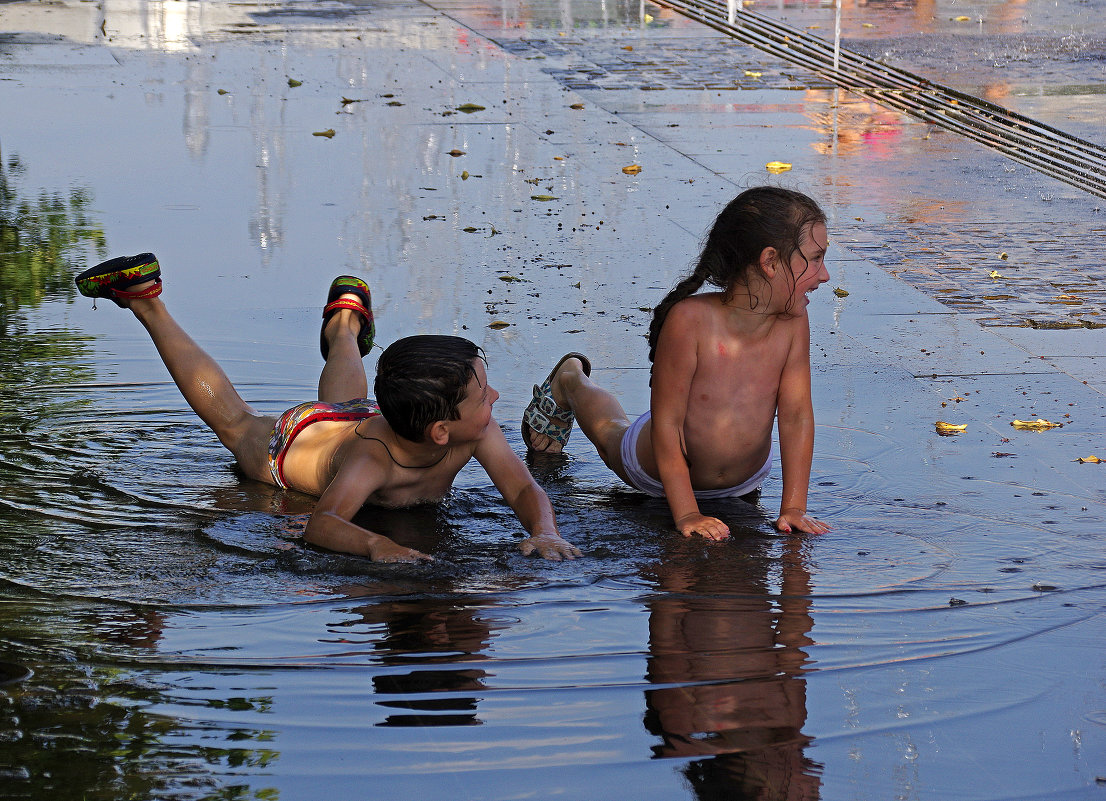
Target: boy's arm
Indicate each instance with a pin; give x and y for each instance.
(795, 419)
(524, 496)
(330, 526)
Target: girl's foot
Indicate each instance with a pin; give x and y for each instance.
(122, 279)
(546, 424)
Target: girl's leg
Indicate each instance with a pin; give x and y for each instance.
(343, 377)
(598, 414)
(205, 386)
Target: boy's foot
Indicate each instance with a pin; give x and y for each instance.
(545, 425)
(349, 292)
(122, 279)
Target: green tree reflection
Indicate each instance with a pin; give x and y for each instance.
(41, 241)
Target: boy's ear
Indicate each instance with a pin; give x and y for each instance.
(769, 261)
(438, 432)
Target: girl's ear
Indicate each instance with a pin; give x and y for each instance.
(769, 262)
(438, 433)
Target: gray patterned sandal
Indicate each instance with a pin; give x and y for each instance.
(543, 415)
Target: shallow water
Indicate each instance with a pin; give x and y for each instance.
(943, 641)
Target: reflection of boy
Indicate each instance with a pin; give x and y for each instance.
(433, 413)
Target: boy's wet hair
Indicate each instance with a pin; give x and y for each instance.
(758, 218)
(423, 379)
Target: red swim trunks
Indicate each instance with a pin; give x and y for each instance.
(296, 419)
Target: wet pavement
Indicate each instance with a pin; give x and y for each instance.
(468, 159)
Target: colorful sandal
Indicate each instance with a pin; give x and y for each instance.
(543, 415)
(349, 285)
(111, 278)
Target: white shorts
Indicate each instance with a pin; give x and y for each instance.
(641, 480)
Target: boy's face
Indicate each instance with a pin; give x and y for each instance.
(476, 408)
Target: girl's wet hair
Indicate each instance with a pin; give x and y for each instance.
(423, 379)
(758, 218)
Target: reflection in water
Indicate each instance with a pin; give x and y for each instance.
(41, 236)
(432, 639)
(727, 656)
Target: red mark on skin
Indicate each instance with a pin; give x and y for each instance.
(721, 350)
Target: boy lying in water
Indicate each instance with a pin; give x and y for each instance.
(432, 413)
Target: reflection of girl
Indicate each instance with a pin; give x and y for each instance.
(725, 366)
(727, 658)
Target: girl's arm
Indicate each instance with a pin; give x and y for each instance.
(795, 418)
(673, 369)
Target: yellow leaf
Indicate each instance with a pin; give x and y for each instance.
(1039, 424)
(1090, 460)
(777, 167)
(543, 198)
(632, 169)
(328, 133)
(455, 153)
(841, 293)
(558, 158)
(867, 25)
(961, 18)
(628, 47)
(464, 175)
(469, 108)
(648, 18)
(223, 92)
(498, 324)
(995, 274)
(950, 428)
(294, 83)
(752, 74)
(577, 106)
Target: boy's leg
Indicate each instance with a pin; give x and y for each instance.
(343, 376)
(598, 414)
(205, 386)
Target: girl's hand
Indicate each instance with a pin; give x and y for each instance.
(798, 520)
(710, 527)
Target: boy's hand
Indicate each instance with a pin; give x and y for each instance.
(549, 546)
(385, 550)
(710, 527)
(798, 520)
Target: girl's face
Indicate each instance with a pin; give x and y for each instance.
(808, 265)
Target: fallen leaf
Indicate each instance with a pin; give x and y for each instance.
(950, 428)
(509, 278)
(498, 324)
(328, 133)
(1090, 460)
(577, 106)
(543, 198)
(294, 83)
(841, 293)
(470, 230)
(469, 108)
(455, 153)
(867, 25)
(223, 92)
(627, 47)
(995, 274)
(346, 101)
(1000, 454)
(1004, 255)
(777, 167)
(393, 103)
(558, 158)
(962, 18)
(1039, 424)
(632, 169)
(753, 74)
